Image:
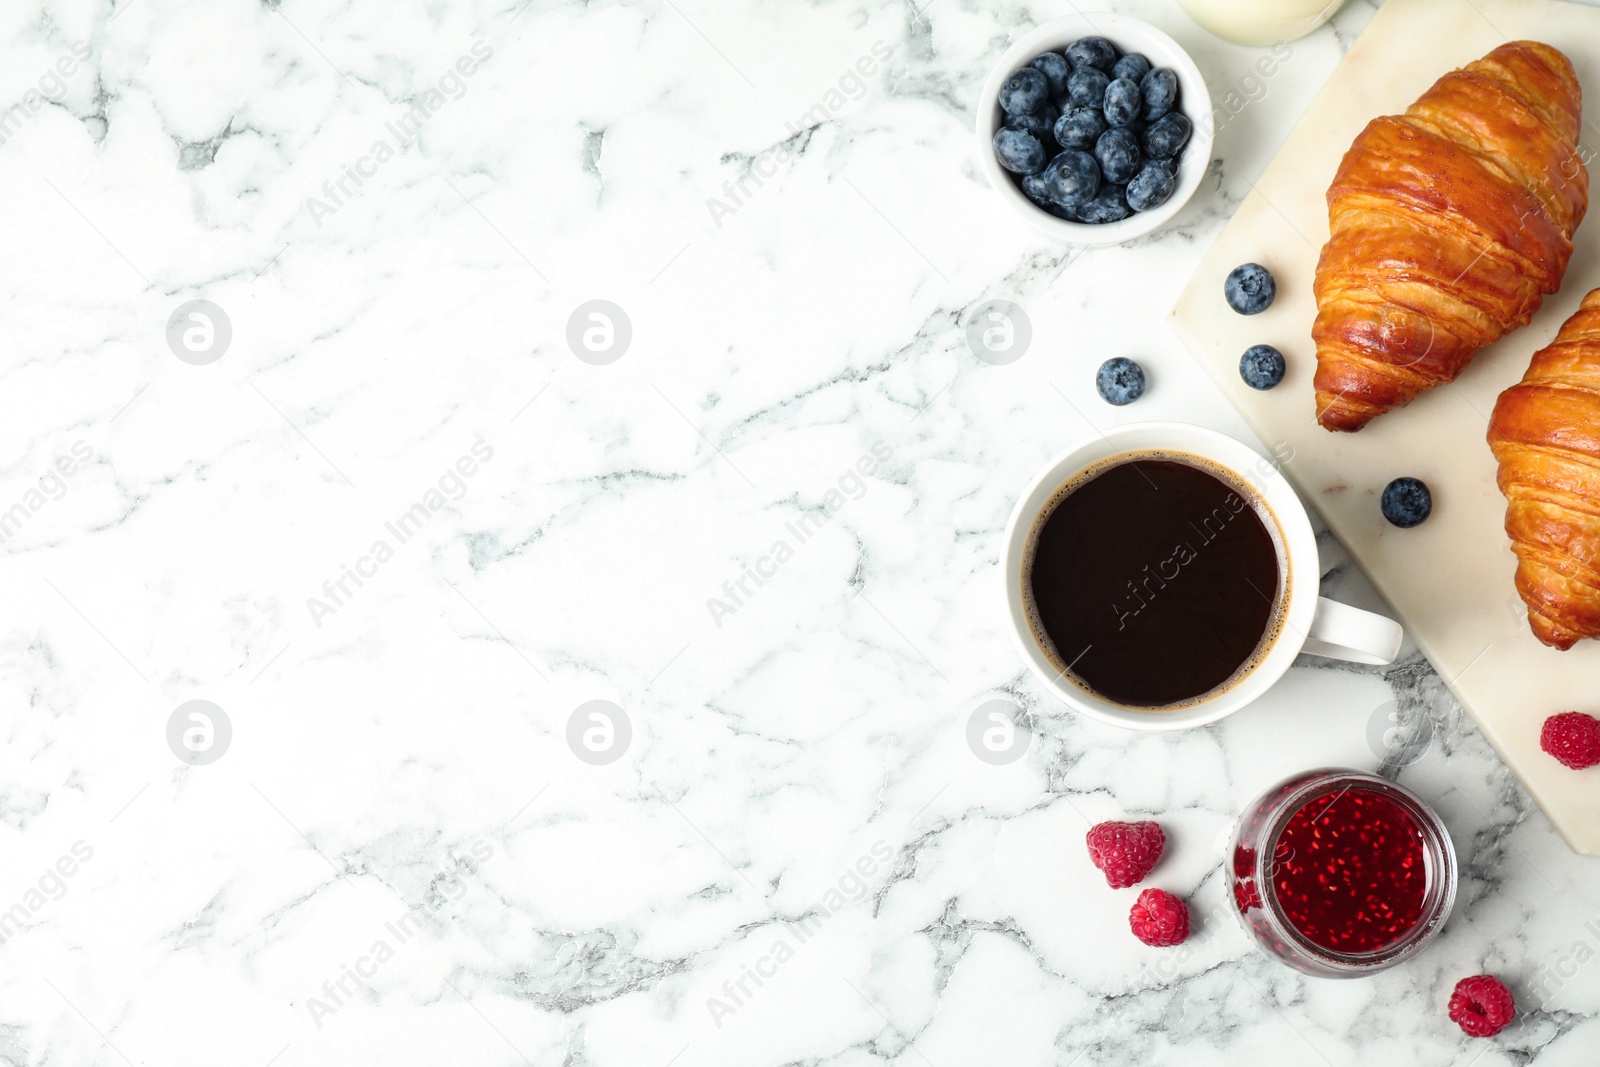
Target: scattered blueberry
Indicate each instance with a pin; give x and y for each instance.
(1095, 52)
(1166, 136)
(1080, 127)
(1086, 87)
(1123, 102)
(1019, 151)
(1110, 204)
(1407, 502)
(1261, 366)
(1250, 289)
(1160, 89)
(1132, 66)
(1117, 152)
(1151, 186)
(1120, 381)
(1054, 67)
(1071, 178)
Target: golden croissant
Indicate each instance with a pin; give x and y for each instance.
(1545, 431)
(1449, 225)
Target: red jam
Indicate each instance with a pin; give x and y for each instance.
(1348, 871)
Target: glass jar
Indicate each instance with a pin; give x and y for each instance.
(1261, 22)
(1341, 874)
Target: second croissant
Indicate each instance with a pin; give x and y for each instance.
(1545, 432)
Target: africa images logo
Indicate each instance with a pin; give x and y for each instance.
(851, 485)
(451, 85)
(446, 887)
(850, 887)
(337, 592)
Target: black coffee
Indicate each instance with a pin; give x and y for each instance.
(1154, 579)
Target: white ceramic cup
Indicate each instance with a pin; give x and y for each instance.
(1311, 622)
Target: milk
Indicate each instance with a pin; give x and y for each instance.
(1261, 22)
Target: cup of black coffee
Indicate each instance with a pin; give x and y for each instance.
(1161, 576)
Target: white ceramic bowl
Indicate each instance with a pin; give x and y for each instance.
(1130, 35)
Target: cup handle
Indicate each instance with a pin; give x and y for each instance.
(1340, 631)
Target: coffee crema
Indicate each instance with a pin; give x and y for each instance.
(1155, 579)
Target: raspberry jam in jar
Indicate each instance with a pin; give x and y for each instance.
(1341, 874)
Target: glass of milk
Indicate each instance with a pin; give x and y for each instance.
(1261, 22)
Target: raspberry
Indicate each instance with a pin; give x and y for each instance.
(1573, 738)
(1125, 851)
(1481, 1005)
(1159, 918)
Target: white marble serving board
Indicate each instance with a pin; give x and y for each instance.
(1449, 580)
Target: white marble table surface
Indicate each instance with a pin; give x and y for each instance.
(399, 533)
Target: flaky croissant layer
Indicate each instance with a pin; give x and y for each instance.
(1449, 225)
(1545, 431)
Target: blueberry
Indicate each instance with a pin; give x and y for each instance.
(1018, 150)
(1094, 52)
(1151, 186)
(1166, 136)
(1026, 90)
(1123, 102)
(1261, 366)
(1250, 289)
(1035, 189)
(1071, 178)
(1132, 66)
(1086, 87)
(1054, 67)
(1117, 152)
(1120, 381)
(1407, 502)
(1039, 123)
(1160, 89)
(1110, 204)
(1080, 127)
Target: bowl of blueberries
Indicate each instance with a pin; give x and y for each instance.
(1095, 128)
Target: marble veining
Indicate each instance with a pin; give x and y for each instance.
(402, 536)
